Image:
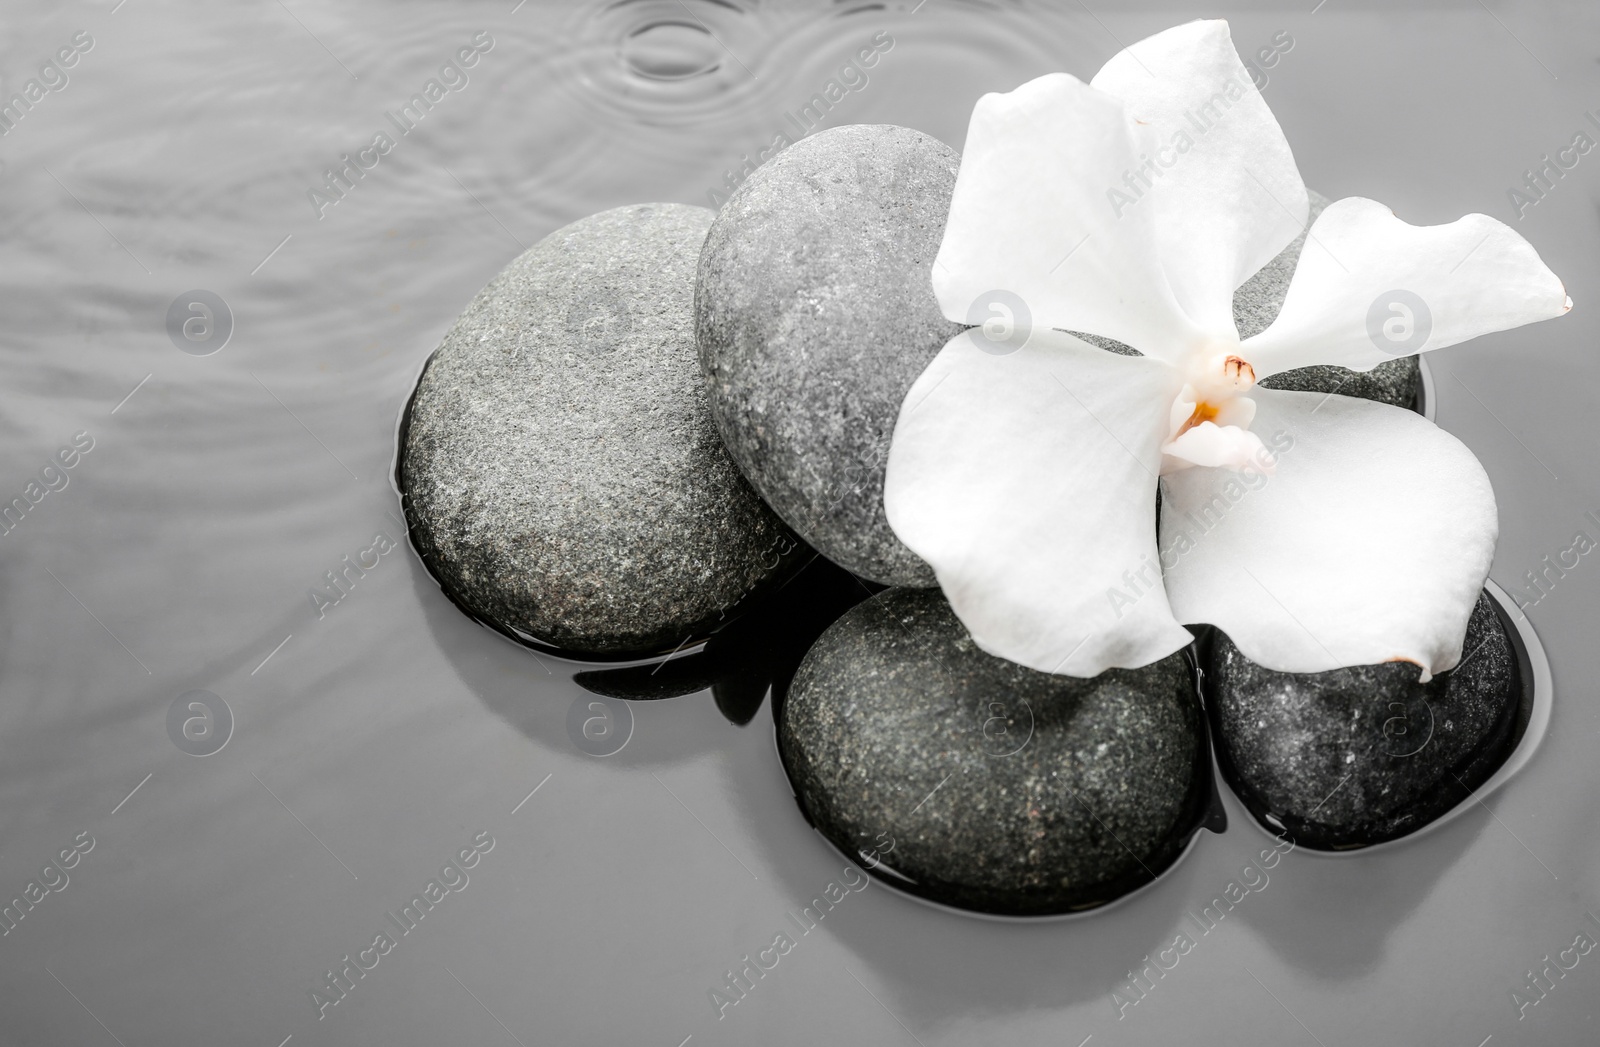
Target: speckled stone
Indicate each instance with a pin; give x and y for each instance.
(1364, 754)
(1256, 304)
(815, 314)
(981, 784)
(563, 477)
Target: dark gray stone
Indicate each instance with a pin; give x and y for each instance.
(1057, 793)
(814, 315)
(1256, 304)
(1394, 382)
(1360, 755)
(563, 475)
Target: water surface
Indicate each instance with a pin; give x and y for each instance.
(377, 739)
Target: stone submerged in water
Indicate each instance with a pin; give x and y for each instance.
(1256, 304)
(978, 783)
(563, 476)
(814, 315)
(1361, 755)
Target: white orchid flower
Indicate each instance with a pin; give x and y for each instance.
(1025, 461)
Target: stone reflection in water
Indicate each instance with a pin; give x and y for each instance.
(758, 650)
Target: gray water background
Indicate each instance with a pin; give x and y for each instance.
(371, 744)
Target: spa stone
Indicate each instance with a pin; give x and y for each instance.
(1364, 754)
(563, 476)
(981, 784)
(814, 315)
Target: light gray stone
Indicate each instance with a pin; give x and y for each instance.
(563, 477)
(815, 314)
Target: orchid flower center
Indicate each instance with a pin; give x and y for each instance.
(1210, 417)
(1213, 387)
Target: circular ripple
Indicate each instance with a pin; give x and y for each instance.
(665, 61)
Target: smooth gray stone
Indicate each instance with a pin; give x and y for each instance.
(981, 784)
(814, 315)
(1256, 304)
(1364, 754)
(563, 475)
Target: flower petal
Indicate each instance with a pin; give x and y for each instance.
(1028, 481)
(1222, 182)
(1210, 444)
(1369, 543)
(1031, 235)
(1370, 288)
